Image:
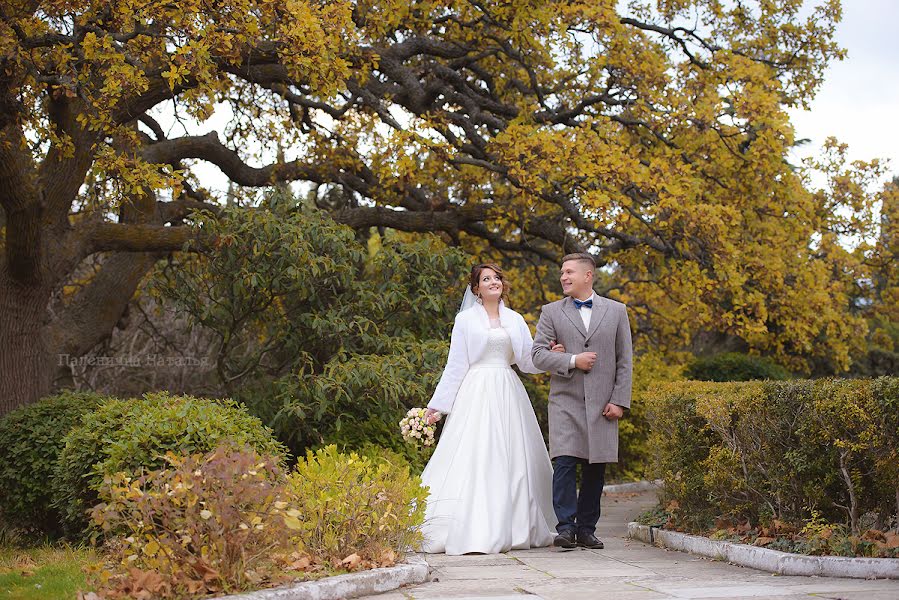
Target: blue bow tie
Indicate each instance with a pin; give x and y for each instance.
(578, 304)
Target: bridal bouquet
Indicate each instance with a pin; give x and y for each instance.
(416, 429)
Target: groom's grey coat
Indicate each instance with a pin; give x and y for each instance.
(576, 399)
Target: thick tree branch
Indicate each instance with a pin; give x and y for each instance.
(90, 316)
(209, 148)
(405, 220)
(177, 210)
(62, 173)
(122, 237)
(18, 174)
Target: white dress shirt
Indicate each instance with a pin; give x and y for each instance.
(585, 312)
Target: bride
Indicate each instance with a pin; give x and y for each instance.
(490, 476)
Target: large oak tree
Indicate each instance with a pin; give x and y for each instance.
(653, 136)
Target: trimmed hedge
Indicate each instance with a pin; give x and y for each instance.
(31, 439)
(734, 366)
(134, 436)
(790, 451)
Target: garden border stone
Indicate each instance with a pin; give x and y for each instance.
(764, 559)
(632, 487)
(413, 570)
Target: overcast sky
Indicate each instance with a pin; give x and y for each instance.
(859, 100)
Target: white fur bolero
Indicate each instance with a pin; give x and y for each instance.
(467, 344)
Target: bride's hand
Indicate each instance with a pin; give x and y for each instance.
(557, 348)
(432, 416)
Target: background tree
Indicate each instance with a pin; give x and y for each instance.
(876, 296)
(653, 135)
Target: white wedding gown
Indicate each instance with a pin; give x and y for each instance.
(490, 476)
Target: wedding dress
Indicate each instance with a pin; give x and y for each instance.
(490, 476)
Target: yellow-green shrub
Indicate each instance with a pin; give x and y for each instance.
(778, 450)
(650, 369)
(347, 503)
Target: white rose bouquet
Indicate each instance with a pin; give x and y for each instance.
(416, 429)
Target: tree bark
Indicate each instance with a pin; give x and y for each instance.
(26, 368)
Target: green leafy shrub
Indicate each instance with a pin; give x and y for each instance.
(230, 520)
(359, 399)
(763, 452)
(734, 366)
(321, 331)
(135, 435)
(210, 523)
(31, 439)
(355, 504)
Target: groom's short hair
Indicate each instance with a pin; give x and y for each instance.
(580, 256)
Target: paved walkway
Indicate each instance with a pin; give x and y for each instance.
(625, 569)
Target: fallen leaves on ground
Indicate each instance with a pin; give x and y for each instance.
(351, 562)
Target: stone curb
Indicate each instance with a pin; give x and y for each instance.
(764, 559)
(352, 585)
(634, 486)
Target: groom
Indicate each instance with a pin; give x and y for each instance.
(590, 386)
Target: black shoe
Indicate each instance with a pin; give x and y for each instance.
(565, 539)
(588, 540)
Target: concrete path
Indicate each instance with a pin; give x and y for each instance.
(625, 569)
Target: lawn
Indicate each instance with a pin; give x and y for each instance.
(44, 573)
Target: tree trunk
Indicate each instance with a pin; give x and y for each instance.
(26, 369)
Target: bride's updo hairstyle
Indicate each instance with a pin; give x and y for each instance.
(476, 279)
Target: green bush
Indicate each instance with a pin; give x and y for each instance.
(733, 366)
(359, 399)
(350, 503)
(31, 439)
(377, 436)
(135, 435)
(784, 451)
(881, 353)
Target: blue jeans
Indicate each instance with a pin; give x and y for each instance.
(577, 511)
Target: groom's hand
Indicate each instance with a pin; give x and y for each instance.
(612, 412)
(585, 361)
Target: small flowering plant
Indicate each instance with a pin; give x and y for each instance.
(416, 429)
